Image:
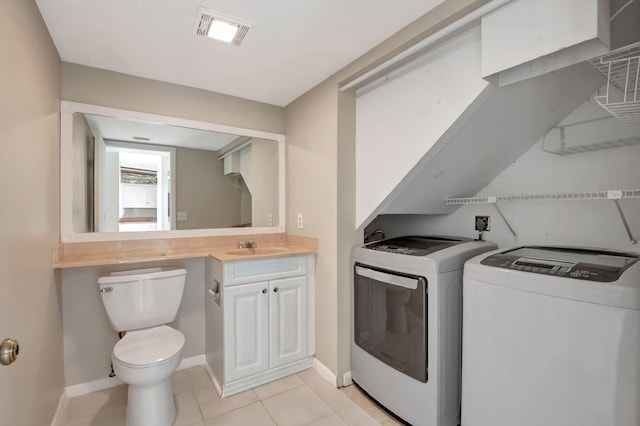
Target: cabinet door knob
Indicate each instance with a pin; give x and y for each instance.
(264, 291)
(275, 290)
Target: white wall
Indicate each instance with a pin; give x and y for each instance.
(398, 123)
(525, 38)
(584, 223)
(88, 337)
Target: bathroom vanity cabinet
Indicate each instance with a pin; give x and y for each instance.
(260, 320)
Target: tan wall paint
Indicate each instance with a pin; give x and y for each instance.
(264, 187)
(85, 322)
(81, 132)
(29, 218)
(115, 90)
(210, 198)
(320, 129)
(311, 190)
(88, 337)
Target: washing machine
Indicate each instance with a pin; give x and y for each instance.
(407, 324)
(551, 337)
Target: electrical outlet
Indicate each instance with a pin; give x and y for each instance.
(483, 223)
(182, 216)
(300, 221)
(270, 219)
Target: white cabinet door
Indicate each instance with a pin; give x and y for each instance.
(139, 195)
(246, 330)
(288, 320)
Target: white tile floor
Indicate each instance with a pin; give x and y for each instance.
(300, 399)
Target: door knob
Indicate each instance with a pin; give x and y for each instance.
(264, 291)
(275, 290)
(9, 349)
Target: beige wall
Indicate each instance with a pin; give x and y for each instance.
(210, 199)
(312, 190)
(29, 216)
(320, 129)
(86, 328)
(81, 133)
(88, 337)
(264, 185)
(115, 90)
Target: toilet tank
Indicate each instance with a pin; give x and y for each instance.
(142, 298)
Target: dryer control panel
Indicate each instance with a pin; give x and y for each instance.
(577, 263)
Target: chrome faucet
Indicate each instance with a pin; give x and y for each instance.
(247, 244)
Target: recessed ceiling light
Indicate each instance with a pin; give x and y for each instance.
(221, 27)
(222, 31)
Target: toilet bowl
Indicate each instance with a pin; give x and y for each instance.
(141, 302)
(145, 359)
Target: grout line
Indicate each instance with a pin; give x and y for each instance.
(268, 412)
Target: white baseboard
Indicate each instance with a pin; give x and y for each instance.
(324, 371)
(110, 382)
(192, 361)
(96, 385)
(213, 380)
(270, 375)
(346, 379)
(59, 417)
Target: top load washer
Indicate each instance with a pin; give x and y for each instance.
(551, 336)
(407, 326)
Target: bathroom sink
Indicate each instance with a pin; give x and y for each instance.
(256, 251)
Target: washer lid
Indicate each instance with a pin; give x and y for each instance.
(415, 245)
(149, 346)
(573, 262)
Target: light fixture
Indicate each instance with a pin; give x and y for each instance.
(222, 31)
(220, 27)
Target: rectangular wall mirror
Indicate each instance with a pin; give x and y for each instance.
(131, 175)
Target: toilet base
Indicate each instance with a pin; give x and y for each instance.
(151, 405)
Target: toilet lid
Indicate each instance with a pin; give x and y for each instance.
(149, 346)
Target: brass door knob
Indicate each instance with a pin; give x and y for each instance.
(9, 349)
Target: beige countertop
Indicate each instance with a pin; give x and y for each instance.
(71, 255)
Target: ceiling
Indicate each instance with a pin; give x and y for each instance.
(119, 129)
(291, 47)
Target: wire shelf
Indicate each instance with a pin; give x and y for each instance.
(622, 70)
(612, 194)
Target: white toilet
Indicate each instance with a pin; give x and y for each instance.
(140, 302)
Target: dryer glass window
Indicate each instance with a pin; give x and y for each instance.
(390, 318)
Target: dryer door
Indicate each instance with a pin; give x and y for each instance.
(390, 318)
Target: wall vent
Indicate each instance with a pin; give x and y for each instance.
(206, 16)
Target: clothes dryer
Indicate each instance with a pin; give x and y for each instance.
(407, 324)
(551, 336)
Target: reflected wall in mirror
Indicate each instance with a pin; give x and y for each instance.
(142, 174)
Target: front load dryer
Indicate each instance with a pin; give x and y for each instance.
(551, 336)
(407, 324)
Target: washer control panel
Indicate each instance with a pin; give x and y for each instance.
(582, 264)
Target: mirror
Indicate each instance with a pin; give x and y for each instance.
(130, 175)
